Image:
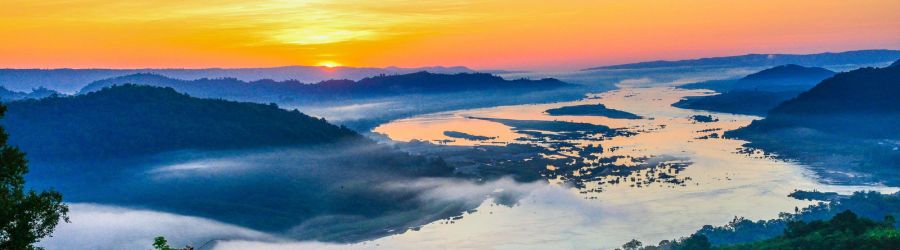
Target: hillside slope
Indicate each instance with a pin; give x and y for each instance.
(846, 127)
(757, 93)
(132, 120)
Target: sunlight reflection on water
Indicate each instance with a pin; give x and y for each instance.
(723, 183)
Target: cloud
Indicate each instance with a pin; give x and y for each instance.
(636, 82)
(560, 210)
(97, 226)
(351, 111)
(504, 191)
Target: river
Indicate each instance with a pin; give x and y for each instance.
(721, 180)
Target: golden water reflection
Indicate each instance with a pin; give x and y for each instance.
(721, 183)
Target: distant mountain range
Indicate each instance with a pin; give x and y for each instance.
(71, 80)
(135, 120)
(768, 60)
(330, 90)
(755, 93)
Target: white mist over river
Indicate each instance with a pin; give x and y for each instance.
(719, 184)
(722, 182)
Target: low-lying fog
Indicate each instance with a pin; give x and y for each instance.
(370, 196)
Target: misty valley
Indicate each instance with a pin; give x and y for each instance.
(720, 153)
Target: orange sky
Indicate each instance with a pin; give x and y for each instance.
(522, 34)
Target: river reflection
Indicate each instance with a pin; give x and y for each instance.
(720, 182)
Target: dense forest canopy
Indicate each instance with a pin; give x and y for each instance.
(132, 120)
(845, 230)
(861, 103)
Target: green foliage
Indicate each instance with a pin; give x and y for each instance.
(160, 243)
(871, 205)
(632, 245)
(694, 242)
(25, 216)
(845, 231)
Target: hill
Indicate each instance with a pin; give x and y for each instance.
(330, 90)
(737, 102)
(756, 93)
(862, 103)
(252, 165)
(847, 123)
(789, 77)
(71, 80)
(38, 93)
(845, 230)
(133, 120)
(768, 60)
(720, 86)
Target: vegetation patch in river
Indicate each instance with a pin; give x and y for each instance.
(704, 118)
(592, 110)
(583, 166)
(562, 130)
(467, 136)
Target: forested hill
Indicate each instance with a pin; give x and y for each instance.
(756, 93)
(378, 86)
(863, 102)
(10, 95)
(784, 78)
(131, 120)
(846, 124)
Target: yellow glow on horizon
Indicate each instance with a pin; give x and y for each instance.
(329, 64)
(411, 33)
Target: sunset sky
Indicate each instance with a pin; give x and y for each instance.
(515, 34)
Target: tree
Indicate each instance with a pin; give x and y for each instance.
(160, 243)
(25, 216)
(695, 242)
(632, 245)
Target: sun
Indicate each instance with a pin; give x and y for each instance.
(329, 64)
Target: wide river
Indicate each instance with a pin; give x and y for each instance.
(721, 182)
